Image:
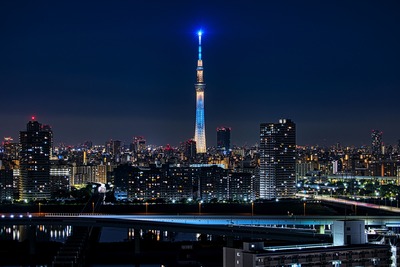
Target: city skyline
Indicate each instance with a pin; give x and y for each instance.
(114, 71)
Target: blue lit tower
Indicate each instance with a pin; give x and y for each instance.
(200, 128)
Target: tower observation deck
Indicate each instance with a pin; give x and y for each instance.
(200, 129)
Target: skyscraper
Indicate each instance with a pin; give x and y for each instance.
(139, 143)
(36, 144)
(200, 128)
(376, 142)
(277, 159)
(224, 138)
(190, 149)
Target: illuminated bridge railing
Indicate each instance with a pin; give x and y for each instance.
(72, 214)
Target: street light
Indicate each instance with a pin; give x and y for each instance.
(252, 208)
(39, 208)
(93, 207)
(147, 206)
(304, 208)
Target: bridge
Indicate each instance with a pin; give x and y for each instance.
(238, 226)
(288, 228)
(87, 226)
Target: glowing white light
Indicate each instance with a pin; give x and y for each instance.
(199, 33)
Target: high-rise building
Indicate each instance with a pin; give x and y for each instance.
(200, 128)
(376, 142)
(36, 145)
(224, 138)
(6, 182)
(190, 149)
(277, 177)
(11, 149)
(60, 176)
(138, 144)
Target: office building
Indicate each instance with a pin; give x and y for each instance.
(36, 145)
(200, 128)
(190, 149)
(224, 138)
(277, 177)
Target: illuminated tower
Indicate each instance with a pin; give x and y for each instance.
(200, 128)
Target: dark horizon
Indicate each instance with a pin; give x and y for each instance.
(117, 70)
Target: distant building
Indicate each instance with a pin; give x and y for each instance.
(113, 149)
(213, 183)
(10, 164)
(139, 143)
(36, 145)
(138, 147)
(376, 142)
(83, 174)
(6, 184)
(11, 149)
(277, 176)
(172, 183)
(224, 138)
(190, 149)
(60, 176)
(116, 148)
(241, 186)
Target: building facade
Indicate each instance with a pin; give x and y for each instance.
(376, 142)
(277, 176)
(224, 138)
(36, 145)
(324, 256)
(6, 184)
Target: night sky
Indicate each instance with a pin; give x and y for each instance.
(100, 70)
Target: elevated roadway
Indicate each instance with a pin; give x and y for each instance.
(289, 228)
(222, 226)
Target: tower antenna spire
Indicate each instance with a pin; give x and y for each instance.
(200, 33)
(200, 78)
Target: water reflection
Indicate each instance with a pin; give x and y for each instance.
(20, 233)
(112, 234)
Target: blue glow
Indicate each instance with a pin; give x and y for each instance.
(200, 33)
